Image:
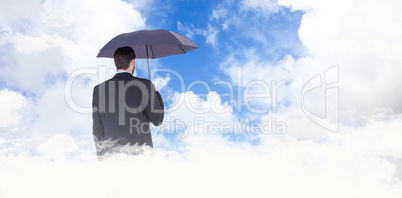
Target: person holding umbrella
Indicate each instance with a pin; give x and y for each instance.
(123, 108)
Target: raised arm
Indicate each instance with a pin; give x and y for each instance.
(155, 108)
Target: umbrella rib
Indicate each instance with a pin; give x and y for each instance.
(152, 52)
(180, 46)
(182, 49)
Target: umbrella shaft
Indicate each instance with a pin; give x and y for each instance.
(149, 77)
(146, 48)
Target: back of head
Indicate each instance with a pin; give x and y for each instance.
(123, 57)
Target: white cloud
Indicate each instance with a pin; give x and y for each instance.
(60, 37)
(191, 114)
(185, 30)
(14, 110)
(219, 13)
(336, 168)
(56, 18)
(54, 115)
(17, 14)
(263, 6)
(210, 33)
(57, 147)
(336, 34)
(161, 82)
(363, 38)
(30, 44)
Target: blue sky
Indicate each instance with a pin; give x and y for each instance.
(278, 30)
(324, 119)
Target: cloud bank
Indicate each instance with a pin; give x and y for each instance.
(46, 148)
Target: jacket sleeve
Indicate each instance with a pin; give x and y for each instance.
(97, 127)
(155, 109)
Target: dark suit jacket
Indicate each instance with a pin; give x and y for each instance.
(123, 108)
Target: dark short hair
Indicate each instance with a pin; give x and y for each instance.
(123, 57)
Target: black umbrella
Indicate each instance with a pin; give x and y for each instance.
(149, 44)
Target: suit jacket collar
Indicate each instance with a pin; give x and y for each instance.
(124, 74)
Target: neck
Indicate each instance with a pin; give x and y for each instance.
(127, 70)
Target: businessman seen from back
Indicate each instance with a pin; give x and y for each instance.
(124, 106)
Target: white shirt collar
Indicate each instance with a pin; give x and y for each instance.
(122, 71)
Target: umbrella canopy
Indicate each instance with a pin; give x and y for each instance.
(149, 44)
